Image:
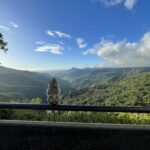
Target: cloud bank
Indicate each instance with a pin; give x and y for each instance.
(123, 53)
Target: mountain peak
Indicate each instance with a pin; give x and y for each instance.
(74, 68)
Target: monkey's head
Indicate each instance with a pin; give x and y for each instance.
(53, 82)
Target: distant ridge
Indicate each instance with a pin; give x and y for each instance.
(18, 84)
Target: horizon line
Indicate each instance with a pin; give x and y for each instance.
(104, 67)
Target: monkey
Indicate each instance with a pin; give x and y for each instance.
(53, 92)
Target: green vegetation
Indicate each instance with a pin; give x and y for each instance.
(36, 100)
(112, 87)
(20, 85)
(87, 77)
(3, 44)
(90, 117)
(134, 90)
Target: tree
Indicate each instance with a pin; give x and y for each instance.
(36, 100)
(3, 44)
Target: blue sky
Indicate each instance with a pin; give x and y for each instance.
(60, 34)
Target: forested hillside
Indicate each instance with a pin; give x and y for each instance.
(132, 90)
(20, 85)
(87, 77)
(107, 86)
(94, 86)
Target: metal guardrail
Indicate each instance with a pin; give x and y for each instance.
(35, 135)
(132, 109)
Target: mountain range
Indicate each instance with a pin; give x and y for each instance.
(77, 85)
(17, 84)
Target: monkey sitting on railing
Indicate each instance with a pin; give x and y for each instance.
(53, 92)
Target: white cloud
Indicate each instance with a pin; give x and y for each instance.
(129, 4)
(111, 2)
(52, 48)
(9, 28)
(58, 34)
(61, 34)
(13, 24)
(81, 43)
(50, 33)
(39, 42)
(4, 28)
(123, 53)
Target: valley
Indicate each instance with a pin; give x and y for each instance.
(87, 86)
